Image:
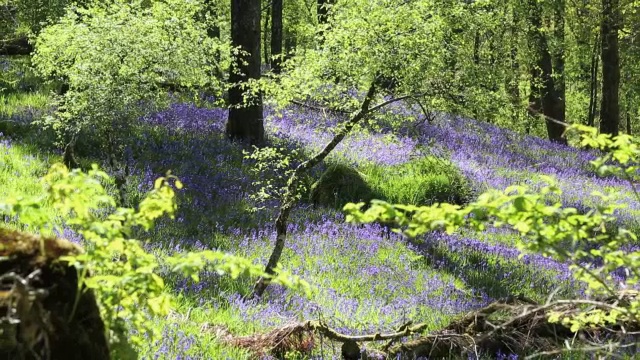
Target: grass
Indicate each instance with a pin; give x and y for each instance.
(21, 167)
(422, 181)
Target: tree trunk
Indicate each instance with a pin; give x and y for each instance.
(245, 113)
(476, 48)
(558, 62)
(289, 45)
(610, 107)
(593, 84)
(513, 78)
(322, 10)
(276, 36)
(265, 40)
(544, 98)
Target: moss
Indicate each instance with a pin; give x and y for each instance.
(340, 184)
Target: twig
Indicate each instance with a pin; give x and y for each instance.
(317, 108)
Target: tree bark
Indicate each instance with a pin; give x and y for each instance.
(558, 63)
(276, 36)
(213, 32)
(265, 40)
(544, 98)
(593, 84)
(610, 106)
(245, 121)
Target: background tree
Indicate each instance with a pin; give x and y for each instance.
(119, 61)
(245, 113)
(610, 106)
(276, 35)
(544, 97)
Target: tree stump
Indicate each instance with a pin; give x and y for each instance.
(37, 296)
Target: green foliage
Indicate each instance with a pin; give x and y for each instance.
(119, 59)
(421, 181)
(548, 227)
(340, 184)
(272, 168)
(124, 275)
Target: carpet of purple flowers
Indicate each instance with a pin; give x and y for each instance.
(368, 279)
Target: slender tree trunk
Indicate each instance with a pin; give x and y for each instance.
(629, 113)
(210, 16)
(560, 102)
(322, 11)
(289, 45)
(513, 78)
(544, 98)
(265, 40)
(593, 84)
(276, 36)
(476, 48)
(610, 106)
(245, 113)
(290, 196)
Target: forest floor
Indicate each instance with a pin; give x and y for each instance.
(368, 279)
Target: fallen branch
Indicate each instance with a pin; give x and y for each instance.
(512, 325)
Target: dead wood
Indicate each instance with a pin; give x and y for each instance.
(513, 325)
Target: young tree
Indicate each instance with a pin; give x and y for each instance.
(119, 59)
(366, 42)
(245, 113)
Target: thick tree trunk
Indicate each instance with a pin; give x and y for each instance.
(544, 98)
(610, 107)
(245, 113)
(276, 36)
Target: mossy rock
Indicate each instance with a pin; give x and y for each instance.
(35, 314)
(340, 184)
